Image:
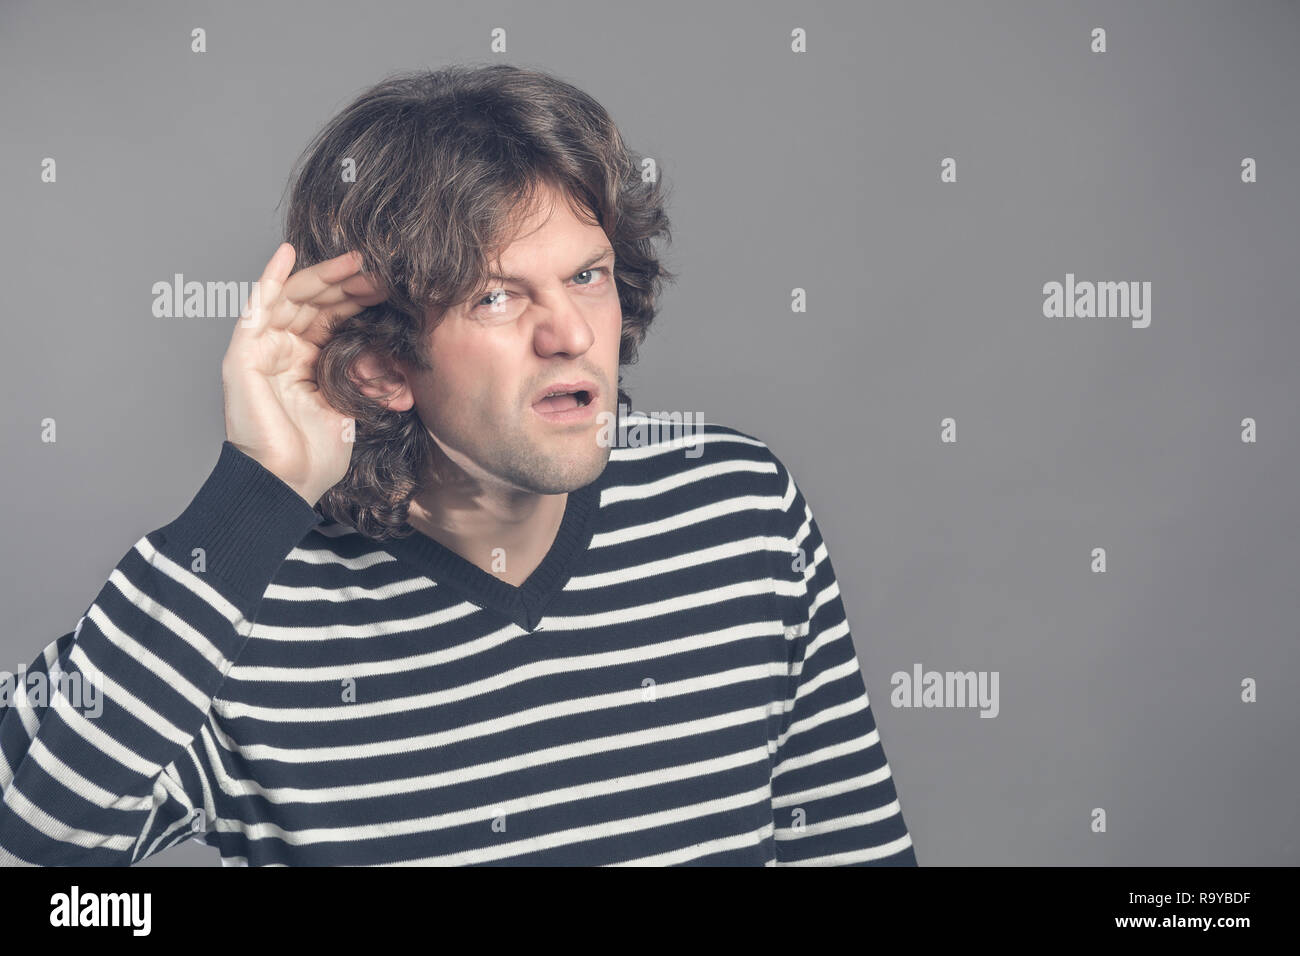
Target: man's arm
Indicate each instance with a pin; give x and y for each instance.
(106, 788)
(833, 796)
(83, 767)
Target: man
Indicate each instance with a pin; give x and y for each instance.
(421, 611)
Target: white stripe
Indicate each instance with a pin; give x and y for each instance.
(79, 784)
(137, 708)
(838, 672)
(195, 584)
(98, 739)
(827, 714)
(287, 592)
(506, 808)
(164, 617)
(652, 489)
(824, 596)
(489, 642)
(641, 612)
(836, 824)
(523, 718)
(495, 683)
(325, 556)
(181, 827)
(508, 764)
(690, 559)
(595, 831)
(685, 519)
(27, 716)
(134, 649)
(375, 668)
(58, 830)
(855, 856)
(693, 438)
(832, 789)
(208, 803)
(9, 859)
(698, 851)
(336, 632)
(830, 752)
(484, 728)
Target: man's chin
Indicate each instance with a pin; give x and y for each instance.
(571, 473)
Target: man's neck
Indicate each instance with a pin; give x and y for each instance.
(505, 533)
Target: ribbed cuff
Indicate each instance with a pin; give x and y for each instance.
(246, 520)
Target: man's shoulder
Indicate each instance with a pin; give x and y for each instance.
(668, 450)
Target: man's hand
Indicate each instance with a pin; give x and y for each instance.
(275, 413)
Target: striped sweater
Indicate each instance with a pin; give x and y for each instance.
(674, 684)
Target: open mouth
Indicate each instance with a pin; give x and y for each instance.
(564, 401)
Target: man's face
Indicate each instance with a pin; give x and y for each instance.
(552, 316)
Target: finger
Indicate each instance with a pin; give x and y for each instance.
(257, 311)
(332, 303)
(365, 284)
(359, 288)
(319, 325)
(306, 285)
(315, 317)
(314, 288)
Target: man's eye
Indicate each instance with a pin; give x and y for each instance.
(488, 301)
(495, 300)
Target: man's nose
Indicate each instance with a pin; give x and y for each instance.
(562, 328)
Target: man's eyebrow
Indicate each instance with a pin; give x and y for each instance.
(595, 257)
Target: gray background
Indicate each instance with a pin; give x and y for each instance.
(819, 170)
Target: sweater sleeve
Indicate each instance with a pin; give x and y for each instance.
(92, 732)
(833, 796)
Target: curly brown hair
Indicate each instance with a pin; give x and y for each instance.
(426, 174)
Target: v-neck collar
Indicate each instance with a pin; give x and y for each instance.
(525, 604)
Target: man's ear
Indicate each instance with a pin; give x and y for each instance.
(383, 381)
